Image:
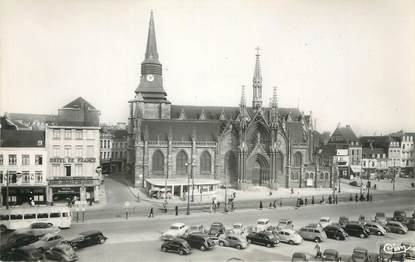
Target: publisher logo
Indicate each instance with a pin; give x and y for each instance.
(394, 249)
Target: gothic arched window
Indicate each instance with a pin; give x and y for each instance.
(158, 163)
(205, 163)
(181, 160)
(298, 159)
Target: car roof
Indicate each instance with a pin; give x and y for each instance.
(330, 250)
(289, 230)
(238, 224)
(326, 218)
(90, 232)
(285, 220)
(263, 220)
(361, 249)
(178, 224)
(217, 223)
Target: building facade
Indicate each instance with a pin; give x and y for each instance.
(22, 167)
(73, 146)
(241, 146)
(113, 149)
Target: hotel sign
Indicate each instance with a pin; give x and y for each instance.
(69, 160)
(72, 181)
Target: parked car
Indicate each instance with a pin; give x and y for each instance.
(87, 238)
(410, 249)
(196, 229)
(176, 245)
(175, 230)
(375, 228)
(313, 233)
(262, 238)
(285, 223)
(217, 229)
(17, 240)
(324, 221)
(238, 228)
(330, 255)
(343, 221)
(46, 242)
(354, 183)
(62, 252)
(335, 232)
(356, 230)
(22, 254)
(300, 257)
(289, 236)
(39, 229)
(233, 240)
(396, 227)
(200, 241)
(399, 215)
(380, 217)
(262, 224)
(409, 223)
(360, 255)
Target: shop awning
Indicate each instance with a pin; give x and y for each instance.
(155, 182)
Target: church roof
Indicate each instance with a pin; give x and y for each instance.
(295, 131)
(182, 130)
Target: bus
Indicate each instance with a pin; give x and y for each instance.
(16, 218)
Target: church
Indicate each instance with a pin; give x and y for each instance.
(176, 148)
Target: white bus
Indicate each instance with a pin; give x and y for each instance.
(16, 218)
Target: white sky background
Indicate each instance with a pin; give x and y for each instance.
(348, 61)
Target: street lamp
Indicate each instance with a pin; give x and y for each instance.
(226, 191)
(193, 180)
(7, 189)
(188, 187)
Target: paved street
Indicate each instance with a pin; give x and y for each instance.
(117, 191)
(129, 239)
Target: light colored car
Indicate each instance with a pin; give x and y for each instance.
(38, 229)
(62, 252)
(410, 252)
(324, 221)
(289, 236)
(196, 229)
(313, 233)
(285, 223)
(375, 228)
(262, 224)
(175, 230)
(233, 240)
(46, 242)
(238, 228)
(396, 227)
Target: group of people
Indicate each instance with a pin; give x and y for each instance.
(368, 198)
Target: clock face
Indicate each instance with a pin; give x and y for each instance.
(150, 78)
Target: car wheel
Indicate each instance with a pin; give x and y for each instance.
(202, 247)
(181, 252)
(163, 249)
(337, 238)
(102, 241)
(291, 242)
(361, 235)
(221, 243)
(238, 247)
(268, 245)
(3, 229)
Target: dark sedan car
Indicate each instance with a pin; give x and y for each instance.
(331, 255)
(87, 238)
(409, 223)
(176, 245)
(263, 238)
(356, 230)
(17, 240)
(335, 232)
(200, 241)
(62, 252)
(216, 229)
(22, 254)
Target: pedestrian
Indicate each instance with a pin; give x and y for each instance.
(305, 201)
(330, 199)
(151, 213)
(234, 195)
(218, 204)
(312, 200)
(374, 187)
(274, 205)
(214, 208)
(292, 190)
(356, 197)
(270, 205)
(177, 210)
(280, 202)
(260, 204)
(317, 247)
(91, 201)
(351, 197)
(367, 197)
(270, 193)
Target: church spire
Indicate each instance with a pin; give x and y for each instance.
(274, 106)
(257, 83)
(151, 50)
(243, 99)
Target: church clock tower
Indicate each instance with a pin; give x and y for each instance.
(150, 89)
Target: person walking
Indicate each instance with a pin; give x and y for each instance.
(151, 213)
(177, 210)
(356, 197)
(260, 204)
(317, 247)
(274, 205)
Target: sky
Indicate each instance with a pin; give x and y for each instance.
(349, 62)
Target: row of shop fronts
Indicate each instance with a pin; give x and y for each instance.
(59, 189)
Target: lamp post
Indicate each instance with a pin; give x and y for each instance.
(193, 181)
(394, 175)
(188, 189)
(226, 191)
(7, 189)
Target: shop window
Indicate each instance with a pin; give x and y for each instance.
(29, 216)
(55, 215)
(205, 163)
(38, 159)
(25, 160)
(12, 160)
(25, 177)
(42, 215)
(16, 217)
(38, 177)
(56, 134)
